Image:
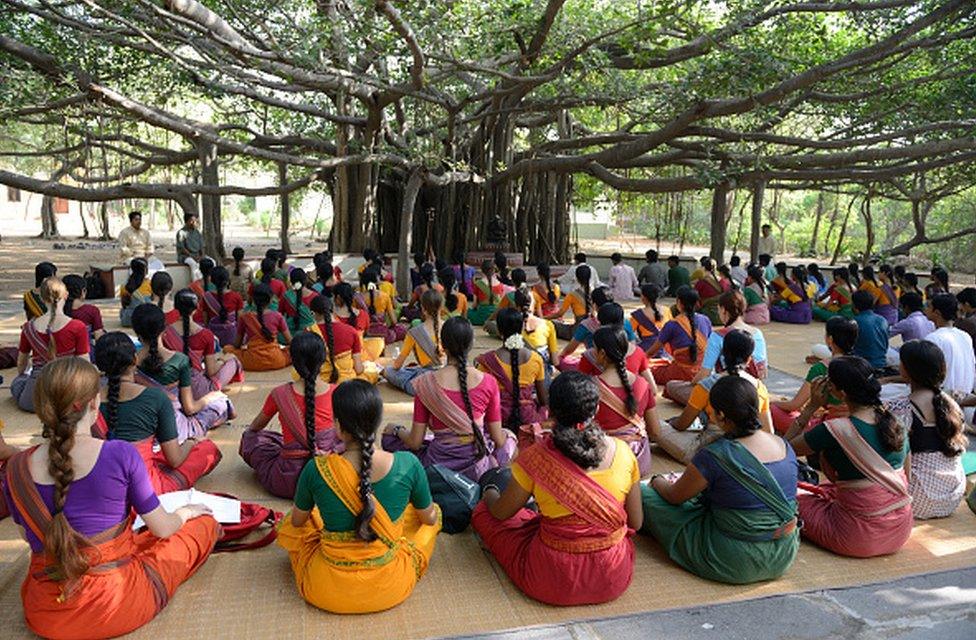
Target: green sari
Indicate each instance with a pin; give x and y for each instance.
(735, 546)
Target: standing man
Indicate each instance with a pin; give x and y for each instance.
(767, 243)
(653, 272)
(189, 240)
(134, 241)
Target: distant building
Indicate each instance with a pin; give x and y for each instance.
(594, 222)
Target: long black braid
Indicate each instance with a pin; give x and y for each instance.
(583, 277)
(358, 409)
(322, 306)
(457, 337)
(926, 365)
(546, 274)
(307, 355)
(298, 279)
(612, 340)
(114, 355)
(510, 323)
(221, 280)
(262, 298)
(689, 300)
(365, 517)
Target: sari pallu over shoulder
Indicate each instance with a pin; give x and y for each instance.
(529, 409)
(226, 332)
(634, 433)
(647, 324)
(425, 343)
(146, 569)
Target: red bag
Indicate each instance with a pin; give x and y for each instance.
(253, 517)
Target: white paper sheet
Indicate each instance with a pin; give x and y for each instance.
(225, 510)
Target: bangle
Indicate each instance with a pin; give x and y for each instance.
(492, 487)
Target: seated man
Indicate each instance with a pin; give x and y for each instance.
(134, 241)
(872, 336)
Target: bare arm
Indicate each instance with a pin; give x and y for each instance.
(689, 485)
(23, 359)
(298, 517)
(635, 507)
(497, 434)
(163, 524)
(505, 505)
(260, 422)
(687, 417)
(798, 401)
(542, 393)
(175, 452)
(357, 364)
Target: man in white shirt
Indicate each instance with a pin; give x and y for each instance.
(568, 281)
(134, 241)
(767, 243)
(737, 271)
(956, 345)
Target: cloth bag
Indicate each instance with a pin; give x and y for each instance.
(456, 495)
(253, 518)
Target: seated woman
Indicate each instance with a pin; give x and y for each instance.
(461, 407)
(519, 371)
(257, 345)
(75, 486)
(578, 301)
(171, 371)
(89, 314)
(423, 342)
(648, 321)
(276, 288)
(204, 284)
(577, 547)
(344, 347)
(464, 274)
(427, 283)
(757, 297)
(864, 509)
(816, 278)
(34, 305)
(731, 307)
(137, 290)
(684, 339)
(538, 333)
(294, 304)
(885, 297)
(635, 360)
(841, 337)
(325, 275)
(487, 291)
(304, 410)
(241, 276)
(608, 314)
(792, 305)
(53, 335)
(517, 282)
(710, 286)
(838, 300)
(161, 285)
(627, 401)
(455, 302)
(344, 308)
(380, 307)
(731, 516)
(219, 308)
(364, 524)
(144, 416)
(677, 436)
(936, 435)
(211, 371)
(545, 291)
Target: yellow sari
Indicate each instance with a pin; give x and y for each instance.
(345, 365)
(340, 573)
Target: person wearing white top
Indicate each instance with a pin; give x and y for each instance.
(623, 279)
(956, 345)
(134, 241)
(568, 280)
(767, 243)
(737, 271)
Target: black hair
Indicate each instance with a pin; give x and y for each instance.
(369, 253)
(651, 292)
(756, 274)
(651, 255)
(911, 279)
(322, 305)
(867, 273)
(843, 273)
(616, 258)
(358, 408)
(911, 302)
(609, 314)
(843, 331)
(601, 296)
(579, 257)
(781, 269)
(427, 273)
(298, 278)
(799, 275)
(149, 322)
(189, 216)
(519, 277)
(612, 341)
(343, 291)
(207, 265)
(419, 259)
(262, 298)
(737, 348)
(689, 298)
(545, 274)
(708, 264)
(114, 355)
(449, 282)
(161, 284)
(863, 300)
(573, 401)
(583, 275)
(501, 262)
(853, 269)
(280, 258)
(324, 271)
(307, 355)
(238, 255)
(139, 267)
(186, 302)
(738, 401)
(459, 257)
(440, 264)
(941, 277)
(43, 271)
(813, 269)
(134, 214)
(946, 305)
(855, 377)
(75, 285)
(457, 337)
(511, 322)
(430, 304)
(735, 261)
(675, 259)
(271, 253)
(268, 266)
(926, 367)
(221, 280)
(765, 259)
(967, 296)
(370, 276)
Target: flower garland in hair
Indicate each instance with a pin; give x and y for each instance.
(371, 286)
(514, 341)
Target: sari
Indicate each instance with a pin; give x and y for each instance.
(486, 298)
(646, 328)
(259, 354)
(202, 384)
(571, 362)
(226, 331)
(344, 364)
(22, 386)
(403, 378)
(196, 426)
(795, 307)
(680, 366)
(529, 409)
(277, 465)
(338, 572)
(583, 558)
(132, 577)
(757, 309)
(453, 447)
(136, 298)
(839, 302)
(735, 546)
(858, 518)
(288, 307)
(34, 306)
(541, 293)
(634, 433)
(202, 459)
(378, 327)
(710, 288)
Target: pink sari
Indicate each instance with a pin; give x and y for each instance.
(634, 433)
(529, 409)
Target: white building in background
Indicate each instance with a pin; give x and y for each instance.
(594, 222)
(20, 213)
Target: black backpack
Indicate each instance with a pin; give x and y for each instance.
(95, 284)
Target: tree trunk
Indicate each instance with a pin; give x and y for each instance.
(84, 223)
(285, 208)
(816, 224)
(843, 231)
(869, 227)
(833, 223)
(49, 220)
(758, 193)
(213, 235)
(103, 221)
(720, 203)
(414, 182)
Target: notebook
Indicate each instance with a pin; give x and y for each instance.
(225, 510)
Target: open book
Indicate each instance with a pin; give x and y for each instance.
(225, 510)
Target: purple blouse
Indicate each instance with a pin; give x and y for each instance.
(102, 499)
(672, 333)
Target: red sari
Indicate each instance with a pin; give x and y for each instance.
(681, 366)
(583, 558)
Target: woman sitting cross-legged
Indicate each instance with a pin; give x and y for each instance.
(792, 303)
(838, 299)
(145, 417)
(577, 548)
(162, 289)
(684, 435)
(710, 286)
(488, 290)
(75, 307)
(757, 297)
(34, 305)
(344, 346)
(519, 371)
(45, 338)
(648, 321)
(90, 575)
(257, 335)
(935, 424)
(627, 400)
(865, 509)
(579, 302)
(364, 525)
(380, 307)
(683, 339)
(294, 303)
(462, 409)
(170, 371)
(304, 410)
(220, 308)
(538, 333)
(731, 516)
(423, 342)
(136, 291)
(211, 371)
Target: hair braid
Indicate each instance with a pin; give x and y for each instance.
(693, 347)
(372, 301)
(436, 320)
(309, 381)
(515, 417)
(62, 542)
(265, 331)
(948, 424)
(479, 437)
(586, 296)
(630, 401)
(365, 517)
(220, 303)
(114, 389)
(330, 344)
(52, 346)
(892, 435)
(186, 333)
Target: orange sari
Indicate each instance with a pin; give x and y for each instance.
(681, 367)
(259, 354)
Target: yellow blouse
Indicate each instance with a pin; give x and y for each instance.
(530, 372)
(543, 336)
